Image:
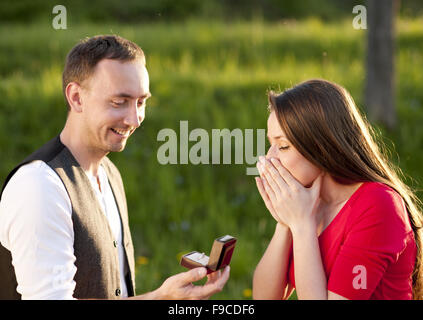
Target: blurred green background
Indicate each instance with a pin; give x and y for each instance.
(211, 63)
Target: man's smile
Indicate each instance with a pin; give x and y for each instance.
(121, 132)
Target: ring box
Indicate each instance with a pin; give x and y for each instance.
(220, 255)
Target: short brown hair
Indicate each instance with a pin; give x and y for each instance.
(82, 59)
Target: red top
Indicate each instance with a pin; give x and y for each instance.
(368, 250)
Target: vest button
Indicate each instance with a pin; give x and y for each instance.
(115, 243)
(117, 292)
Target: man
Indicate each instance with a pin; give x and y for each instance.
(64, 230)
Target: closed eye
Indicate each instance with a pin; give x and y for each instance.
(284, 148)
(118, 103)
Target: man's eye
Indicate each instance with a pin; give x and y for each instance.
(118, 102)
(140, 103)
(283, 148)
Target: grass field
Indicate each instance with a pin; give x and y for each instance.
(215, 75)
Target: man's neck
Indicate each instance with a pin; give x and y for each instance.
(88, 159)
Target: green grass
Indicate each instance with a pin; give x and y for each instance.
(215, 75)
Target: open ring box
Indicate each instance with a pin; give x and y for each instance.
(220, 255)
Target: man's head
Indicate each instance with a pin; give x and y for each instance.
(106, 85)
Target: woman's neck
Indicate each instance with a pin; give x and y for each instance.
(333, 193)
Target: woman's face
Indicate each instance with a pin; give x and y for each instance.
(302, 169)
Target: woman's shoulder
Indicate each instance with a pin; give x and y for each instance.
(380, 202)
(377, 194)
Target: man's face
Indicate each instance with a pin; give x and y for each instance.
(113, 103)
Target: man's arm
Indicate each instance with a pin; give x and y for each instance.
(36, 227)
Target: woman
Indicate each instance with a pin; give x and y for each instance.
(351, 226)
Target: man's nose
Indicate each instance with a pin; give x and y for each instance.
(135, 116)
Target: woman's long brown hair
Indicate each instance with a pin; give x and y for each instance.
(323, 123)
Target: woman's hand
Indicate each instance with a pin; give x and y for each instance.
(288, 200)
(261, 188)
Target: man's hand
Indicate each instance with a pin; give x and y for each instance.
(180, 287)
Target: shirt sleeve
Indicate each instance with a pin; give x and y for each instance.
(376, 237)
(36, 227)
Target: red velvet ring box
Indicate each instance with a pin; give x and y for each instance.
(220, 255)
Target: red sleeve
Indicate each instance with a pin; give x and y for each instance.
(375, 236)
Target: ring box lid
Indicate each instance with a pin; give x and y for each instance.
(221, 252)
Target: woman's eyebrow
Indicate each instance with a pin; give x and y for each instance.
(277, 137)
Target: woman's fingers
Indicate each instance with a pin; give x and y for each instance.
(267, 178)
(276, 176)
(278, 184)
(285, 174)
(261, 186)
(265, 197)
(266, 185)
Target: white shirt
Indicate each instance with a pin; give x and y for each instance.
(36, 227)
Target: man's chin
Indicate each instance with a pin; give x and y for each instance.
(117, 147)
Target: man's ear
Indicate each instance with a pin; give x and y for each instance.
(73, 95)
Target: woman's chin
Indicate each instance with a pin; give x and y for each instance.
(308, 184)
